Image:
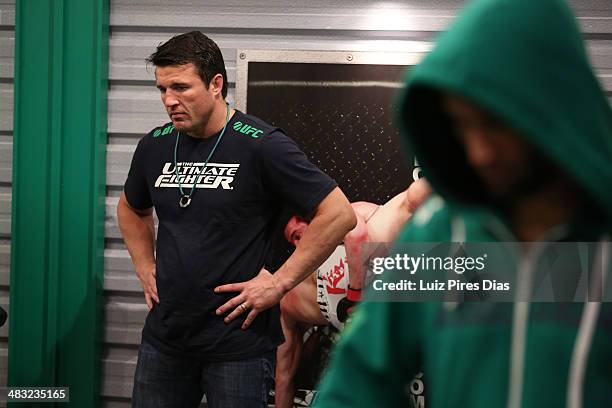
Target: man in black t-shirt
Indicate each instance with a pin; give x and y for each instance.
(217, 179)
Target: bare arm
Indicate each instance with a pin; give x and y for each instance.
(353, 243)
(333, 218)
(383, 226)
(138, 233)
(417, 193)
(376, 224)
(287, 360)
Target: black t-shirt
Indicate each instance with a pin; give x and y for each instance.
(224, 235)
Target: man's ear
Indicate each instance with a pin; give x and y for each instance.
(216, 84)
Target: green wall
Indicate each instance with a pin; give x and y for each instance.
(61, 70)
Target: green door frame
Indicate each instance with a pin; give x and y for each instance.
(59, 160)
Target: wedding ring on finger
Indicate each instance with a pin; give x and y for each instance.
(243, 307)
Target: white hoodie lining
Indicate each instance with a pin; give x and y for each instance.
(586, 331)
(458, 235)
(520, 319)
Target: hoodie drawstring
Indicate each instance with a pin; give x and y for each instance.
(586, 331)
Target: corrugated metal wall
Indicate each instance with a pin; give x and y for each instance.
(7, 56)
(134, 106)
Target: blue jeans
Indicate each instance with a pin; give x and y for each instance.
(162, 380)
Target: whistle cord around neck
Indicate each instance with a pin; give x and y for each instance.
(185, 199)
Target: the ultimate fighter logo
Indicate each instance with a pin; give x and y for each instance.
(214, 175)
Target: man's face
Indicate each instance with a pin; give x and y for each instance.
(188, 100)
(295, 229)
(503, 160)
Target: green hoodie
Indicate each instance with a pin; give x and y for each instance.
(524, 61)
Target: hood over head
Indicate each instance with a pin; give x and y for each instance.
(524, 62)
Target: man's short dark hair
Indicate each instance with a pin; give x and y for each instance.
(192, 47)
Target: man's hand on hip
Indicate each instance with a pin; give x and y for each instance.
(256, 295)
(149, 284)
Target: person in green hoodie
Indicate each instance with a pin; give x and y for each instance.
(514, 133)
